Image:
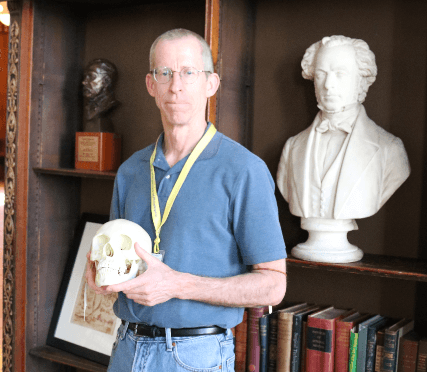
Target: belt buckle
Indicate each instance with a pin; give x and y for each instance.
(155, 331)
(135, 331)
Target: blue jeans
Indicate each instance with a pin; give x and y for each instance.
(169, 354)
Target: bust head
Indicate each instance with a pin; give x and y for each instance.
(100, 77)
(342, 69)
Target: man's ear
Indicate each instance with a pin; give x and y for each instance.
(150, 82)
(212, 84)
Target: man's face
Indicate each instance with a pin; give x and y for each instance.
(336, 77)
(93, 82)
(180, 103)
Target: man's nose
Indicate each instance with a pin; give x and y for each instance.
(176, 82)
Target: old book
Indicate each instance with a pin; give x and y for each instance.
(321, 339)
(284, 336)
(342, 339)
(352, 363)
(362, 340)
(422, 355)
(408, 352)
(371, 344)
(379, 350)
(272, 342)
(392, 337)
(253, 347)
(241, 337)
(263, 340)
(298, 319)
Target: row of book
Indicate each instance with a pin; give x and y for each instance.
(309, 338)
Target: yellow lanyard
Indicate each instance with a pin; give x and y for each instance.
(155, 207)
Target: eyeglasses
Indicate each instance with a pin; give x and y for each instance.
(188, 74)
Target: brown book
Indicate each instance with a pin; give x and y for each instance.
(342, 339)
(253, 350)
(379, 350)
(241, 334)
(284, 336)
(422, 355)
(272, 343)
(408, 352)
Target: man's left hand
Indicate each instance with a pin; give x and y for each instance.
(156, 285)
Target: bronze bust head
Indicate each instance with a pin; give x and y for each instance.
(100, 77)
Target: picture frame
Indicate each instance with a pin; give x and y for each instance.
(86, 331)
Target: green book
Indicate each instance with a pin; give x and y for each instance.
(352, 361)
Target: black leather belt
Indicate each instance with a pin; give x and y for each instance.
(141, 329)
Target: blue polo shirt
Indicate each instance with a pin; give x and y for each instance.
(224, 218)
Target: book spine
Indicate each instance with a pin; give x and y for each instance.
(371, 345)
(303, 347)
(320, 345)
(263, 334)
(284, 342)
(379, 351)
(389, 357)
(352, 365)
(342, 346)
(296, 344)
(408, 351)
(272, 343)
(422, 357)
(241, 343)
(253, 347)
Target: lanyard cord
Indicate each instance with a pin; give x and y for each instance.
(158, 221)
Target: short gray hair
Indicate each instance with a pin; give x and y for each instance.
(365, 60)
(180, 33)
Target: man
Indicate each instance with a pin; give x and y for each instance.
(99, 80)
(224, 249)
(343, 166)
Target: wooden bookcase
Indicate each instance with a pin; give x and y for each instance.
(263, 100)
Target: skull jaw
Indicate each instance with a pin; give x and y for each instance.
(115, 274)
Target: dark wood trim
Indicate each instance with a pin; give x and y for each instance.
(212, 37)
(24, 109)
(76, 173)
(64, 358)
(375, 265)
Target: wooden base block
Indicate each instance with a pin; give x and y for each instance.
(97, 151)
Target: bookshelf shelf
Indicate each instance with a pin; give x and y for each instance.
(375, 265)
(76, 173)
(64, 358)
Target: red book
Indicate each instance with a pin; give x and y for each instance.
(408, 352)
(254, 348)
(342, 339)
(321, 340)
(241, 332)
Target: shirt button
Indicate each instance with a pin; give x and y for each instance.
(168, 176)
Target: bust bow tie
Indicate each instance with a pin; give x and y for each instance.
(326, 125)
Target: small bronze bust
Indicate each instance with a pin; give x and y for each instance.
(99, 80)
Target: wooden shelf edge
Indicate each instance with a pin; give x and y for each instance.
(375, 265)
(76, 173)
(62, 357)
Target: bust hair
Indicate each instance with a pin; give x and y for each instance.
(365, 60)
(180, 33)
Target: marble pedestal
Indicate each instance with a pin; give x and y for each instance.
(327, 241)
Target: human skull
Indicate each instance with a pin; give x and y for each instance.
(114, 253)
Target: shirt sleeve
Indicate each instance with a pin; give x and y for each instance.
(255, 217)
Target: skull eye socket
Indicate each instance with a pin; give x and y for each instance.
(109, 250)
(101, 240)
(126, 243)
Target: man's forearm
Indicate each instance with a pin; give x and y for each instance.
(257, 288)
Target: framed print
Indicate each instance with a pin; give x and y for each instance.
(87, 331)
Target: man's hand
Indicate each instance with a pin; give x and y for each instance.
(90, 277)
(156, 285)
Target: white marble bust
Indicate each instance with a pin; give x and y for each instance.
(343, 166)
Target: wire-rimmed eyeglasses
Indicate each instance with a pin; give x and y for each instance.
(188, 74)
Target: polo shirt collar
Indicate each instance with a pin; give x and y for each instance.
(210, 151)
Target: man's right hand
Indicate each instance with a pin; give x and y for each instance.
(90, 277)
